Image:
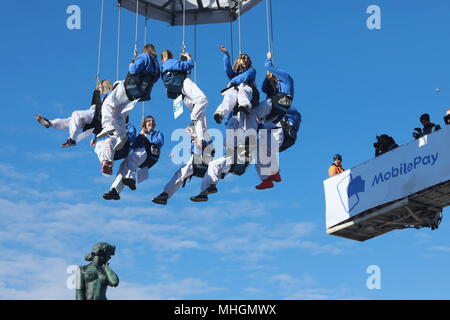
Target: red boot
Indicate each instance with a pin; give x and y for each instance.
(106, 167)
(275, 177)
(266, 184)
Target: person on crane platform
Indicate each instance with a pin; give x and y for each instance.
(336, 167)
(428, 127)
(143, 73)
(81, 120)
(447, 117)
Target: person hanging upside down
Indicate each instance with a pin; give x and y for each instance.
(175, 75)
(241, 89)
(284, 135)
(81, 120)
(142, 74)
(145, 151)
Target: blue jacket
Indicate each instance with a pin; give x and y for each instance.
(156, 137)
(284, 85)
(235, 77)
(177, 65)
(145, 63)
(294, 117)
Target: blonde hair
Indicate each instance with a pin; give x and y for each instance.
(106, 86)
(166, 54)
(237, 66)
(150, 49)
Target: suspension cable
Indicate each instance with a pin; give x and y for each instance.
(271, 30)
(100, 43)
(231, 39)
(119, 6)
(195, 49)
(239, 26)
(269, 46)
(183, 45)
(145, 43)
(136, 32)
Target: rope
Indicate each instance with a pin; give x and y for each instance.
(271, 31)
(239, 26)
(136, 32)
(119, 6)
(195, 49)
(183, 46)
(100, 43)
(269, 46)
(231, 39)
(145, 42)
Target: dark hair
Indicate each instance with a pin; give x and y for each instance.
(145, 119)
(149, 48)
(425, 117)
(166, 54)
(337, 156)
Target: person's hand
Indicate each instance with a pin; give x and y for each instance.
(222, 48)
(93, 142)
(187, 55)
(269, 55)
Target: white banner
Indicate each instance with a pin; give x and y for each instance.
(394, 175)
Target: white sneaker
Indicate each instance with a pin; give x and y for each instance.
(106, 131)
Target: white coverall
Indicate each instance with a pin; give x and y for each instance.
(196, 101)
(241, 96)
(128, 168)
(269, 165)
(113, 115)
(75, 123)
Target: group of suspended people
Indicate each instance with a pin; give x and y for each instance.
(241, 112)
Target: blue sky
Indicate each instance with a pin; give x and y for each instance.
(351, 84)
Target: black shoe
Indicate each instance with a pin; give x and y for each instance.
(218, 118)
(130, 183)
(111, 195)
(44, 121)
(69, 143)
(161, 199)
(202, 197)
(244, 109)
(211, 189)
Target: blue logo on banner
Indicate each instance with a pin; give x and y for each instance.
(349, 189)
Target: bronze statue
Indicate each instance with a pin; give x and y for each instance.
(94, 279)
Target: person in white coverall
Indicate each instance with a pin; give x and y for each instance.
(194, 97)
(80, 118)
(136, 158)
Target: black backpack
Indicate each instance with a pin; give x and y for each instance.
(173, 81)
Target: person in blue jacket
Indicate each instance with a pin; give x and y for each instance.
(278, 86)
(284, 135)
(81, 120)
(193, 97)
(142, 74)
(145, 151)
(240, 88)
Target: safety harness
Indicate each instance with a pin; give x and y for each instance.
(173, 81)
(138, 86)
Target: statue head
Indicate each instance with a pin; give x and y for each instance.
(103, 251)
